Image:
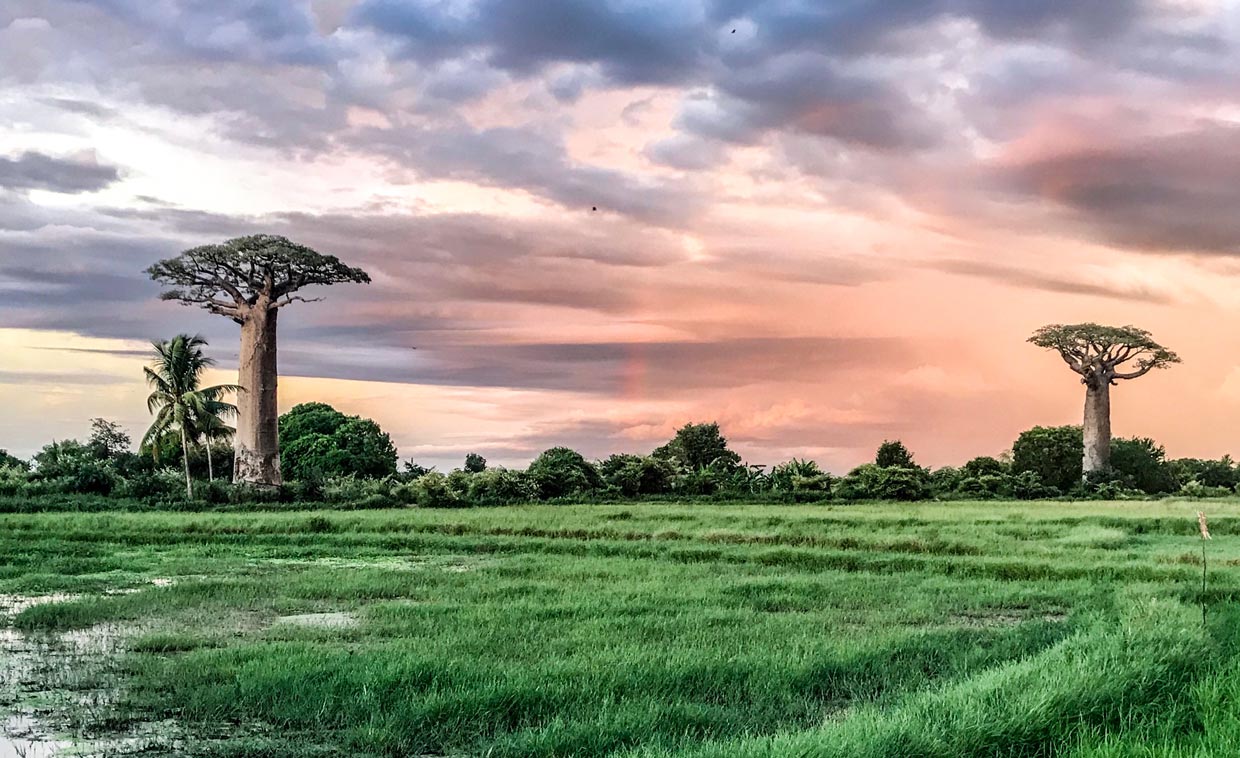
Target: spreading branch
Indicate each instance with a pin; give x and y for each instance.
(1097, 352)
(258, 271)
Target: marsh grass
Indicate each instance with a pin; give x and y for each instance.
(651, 630)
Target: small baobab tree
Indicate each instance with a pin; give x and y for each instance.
(1102, 355)
(249, 279)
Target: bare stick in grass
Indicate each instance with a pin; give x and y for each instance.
(1205, 535)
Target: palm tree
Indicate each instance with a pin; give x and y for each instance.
(211, 426)
(180, 405)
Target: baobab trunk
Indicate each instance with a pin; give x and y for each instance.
(1097, 427)
(258, 445)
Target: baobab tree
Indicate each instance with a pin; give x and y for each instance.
(249, 279)
(1098, 353)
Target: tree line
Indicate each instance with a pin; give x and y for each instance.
(250, 279)
(349, 461)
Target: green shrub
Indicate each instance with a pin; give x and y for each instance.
(1027, 485)
(1196, 489)
(1142, 464)
(13, 480)
(697, 446)
(500, 486)
(1054, 453)
(801, 480)
(563, 472)
(985, 465)
(319, 442)
(893, 454)
(433, 491)
(161, 485)
(635, 475)
(873, 482)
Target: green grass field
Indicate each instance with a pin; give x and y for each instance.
(962, 629)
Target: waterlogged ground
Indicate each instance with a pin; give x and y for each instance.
(651, 631)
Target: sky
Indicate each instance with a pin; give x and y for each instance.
(820, 223)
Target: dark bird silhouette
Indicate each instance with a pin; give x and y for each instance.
(594, 207)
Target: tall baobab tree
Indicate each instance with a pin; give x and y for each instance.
(249, 279)
(1099, 353)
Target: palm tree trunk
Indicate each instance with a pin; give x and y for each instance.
(189, 483)
(210, 465)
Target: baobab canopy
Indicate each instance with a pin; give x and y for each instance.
(1097, 349)
(229, 277)
(1101, 355)
(248, 279)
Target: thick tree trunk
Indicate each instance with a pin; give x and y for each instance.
(189, 482)
(1097, 425)
(258, 445)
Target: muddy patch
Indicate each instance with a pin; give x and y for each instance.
(448, 563)
(1002, 617)
(338, 620)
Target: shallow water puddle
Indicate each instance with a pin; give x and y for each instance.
(21, 739)
(321, 620)
(53, 686)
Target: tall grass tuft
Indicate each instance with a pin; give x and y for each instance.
(1205, 535)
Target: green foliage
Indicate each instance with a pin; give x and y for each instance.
(698, 446)
(475, 463)
(803, 480)
(1207, 473)
(433, 490)
(563, 472)
(356, 492)
(893, 454)
(317, 442)
(10, 461)
(500, 486)
(242, 269)
(107, 439)
(1027, 485)
(944, 481)
(1141, 463)
(1054, 453)
(873, 482)
(305, 419)
(185, 412)
(636, 475)
(156, 486)
(1092, 347)
(984, 465)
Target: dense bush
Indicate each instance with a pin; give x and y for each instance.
(873, 482)
(9, 461)
(563, 472)
(317, 442)
(500, 486)
(698, 446)
(1141, 464)
(1053, 453)
(893, 454)
(1221, 473)
(634, 475)
(801, 480)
